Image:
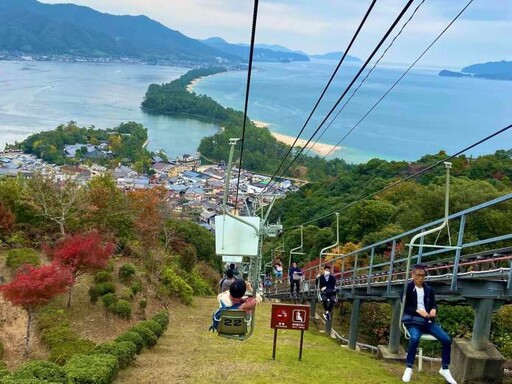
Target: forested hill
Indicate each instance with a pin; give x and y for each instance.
(262, 152)
(498, 70)
(401, 208)
(32, 27)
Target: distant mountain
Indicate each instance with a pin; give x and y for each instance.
(65, 29)
(497, 70)
(260, 54)
(334, 56)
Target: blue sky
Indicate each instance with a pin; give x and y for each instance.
(319, 26)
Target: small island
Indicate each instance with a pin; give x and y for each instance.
(498, 70)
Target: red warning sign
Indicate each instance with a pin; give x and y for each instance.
(290, 316)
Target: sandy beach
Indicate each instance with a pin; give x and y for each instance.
(321, 149)
(193, 83)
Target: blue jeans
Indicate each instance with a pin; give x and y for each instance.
(435, 330)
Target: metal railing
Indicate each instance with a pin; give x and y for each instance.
(383, 263)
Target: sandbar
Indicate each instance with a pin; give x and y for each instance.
(321, 149)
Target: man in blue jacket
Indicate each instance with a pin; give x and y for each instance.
(327, 286)
(420, 311)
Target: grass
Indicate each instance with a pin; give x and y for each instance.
(187, 353)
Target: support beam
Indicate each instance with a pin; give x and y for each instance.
(354, 323)
(394, 332)
(482, 326)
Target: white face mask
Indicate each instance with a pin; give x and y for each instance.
(327, 273)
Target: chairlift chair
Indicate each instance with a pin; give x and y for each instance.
(412, 244)
(236, 324)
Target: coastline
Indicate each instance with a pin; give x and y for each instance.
(190, 86)
(320, 149)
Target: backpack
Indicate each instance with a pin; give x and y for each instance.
(218, 313)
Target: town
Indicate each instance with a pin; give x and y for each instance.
(195, 191)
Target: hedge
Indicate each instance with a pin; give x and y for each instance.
(125, 351)
(121, 308)
(162, 318)
(148, 336)
(133, 337)
(154, 326)
(92, 369)
(43, 370)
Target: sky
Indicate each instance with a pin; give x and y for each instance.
(481, 34)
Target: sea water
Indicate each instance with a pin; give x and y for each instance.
(424, 114)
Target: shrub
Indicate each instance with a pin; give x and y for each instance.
(127, 272)
(109, 299)
(200, 287)
(103, 277)
(92, 369)
(63, 352)
(60, 334)
(136, 288)
(132, 337)
(51, 316)
(104, 288)
(125, 351)
(17, 257)
(154, 326)
(147, 334)
(121, 308)
(162, 318)
(126, 294)
(3, 370)
(11, 380)
(1, 349)
(174, 285)
(143, 303)
(43, 370)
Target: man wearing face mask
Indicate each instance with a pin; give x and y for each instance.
(327, 286)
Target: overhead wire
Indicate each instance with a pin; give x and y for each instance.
(418, 173)
(333, 75)
(366, 76)
(247, 90)
(398, 80)
(390, 29)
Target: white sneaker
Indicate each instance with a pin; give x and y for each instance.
(447, 376)
(407, 375)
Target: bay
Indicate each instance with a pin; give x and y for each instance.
(424, 114)
(39, 96)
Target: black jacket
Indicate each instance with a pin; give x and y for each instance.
(411, 301)
(329, 284)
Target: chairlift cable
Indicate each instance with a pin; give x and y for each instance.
(363, 21)
(398, 80)
(247, 89)
(367, 75)
(430, 167)
(383, 39)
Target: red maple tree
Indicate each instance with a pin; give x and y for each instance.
(33, 287)
(82, 253)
